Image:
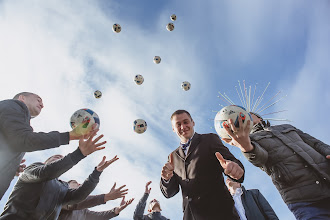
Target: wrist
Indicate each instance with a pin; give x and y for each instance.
(117, 211)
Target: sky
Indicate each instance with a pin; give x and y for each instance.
(65, 50)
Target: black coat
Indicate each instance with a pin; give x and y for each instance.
(38, 194)
(199, 174)
(17, 137)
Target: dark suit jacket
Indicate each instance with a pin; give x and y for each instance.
(199, 174)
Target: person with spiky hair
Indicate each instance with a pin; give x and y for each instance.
(298, 163)
(17, 136)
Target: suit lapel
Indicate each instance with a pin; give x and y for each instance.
(180, 153)
(194, 142)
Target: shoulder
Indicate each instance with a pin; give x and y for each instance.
(12, 106)
(34, 165)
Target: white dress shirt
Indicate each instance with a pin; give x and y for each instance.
(238, 203)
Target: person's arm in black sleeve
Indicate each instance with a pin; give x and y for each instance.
(39, 172)
(139, 210)
(89, 202)
(77, 195)
(217, 146)
(20, 134)
(104, 215)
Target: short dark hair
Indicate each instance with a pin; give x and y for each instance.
(179, 112)
(23, 93)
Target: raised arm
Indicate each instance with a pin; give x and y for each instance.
(89, 202)
(169, 184)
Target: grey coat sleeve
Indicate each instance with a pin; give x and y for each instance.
(105, 215)
(265, 206)
(19, 134)
(39, 172)
(258, 156)
(139, 210)
(89, 202)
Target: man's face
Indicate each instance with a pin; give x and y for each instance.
(53, 158)
(33, 103)
(183, 126)
(74, 184)
(153, 204)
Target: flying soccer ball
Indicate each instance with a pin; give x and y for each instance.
(173, 17)
(116, 28)
(157, 59)
(233, 112)
(170, 26)
(185, 85)
(140, 126)
(97, 94)
(138, 79)
(83, 120)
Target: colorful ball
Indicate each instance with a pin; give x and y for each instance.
(157, 59)
(140, 126)
(185, 85)
(170, 26)
(173, 17)
(83, 120)
(138, 79)
(116, 28)
(97, 94)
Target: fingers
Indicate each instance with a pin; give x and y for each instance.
(227, 140)
(148, 183)
(221, 159)
(226, 127)
(328, 156)
(23, 161)
(114, 186)
(232, 125)
(103, 160)
(98, 138)
(171, 159)
(113, 159)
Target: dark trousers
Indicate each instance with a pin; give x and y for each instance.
(319, 210)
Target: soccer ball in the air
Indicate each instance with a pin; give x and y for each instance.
(173, 17)
(138, 79)
(140, 126)
(116, 28)
(233, 112)
(82, 121)
(157, 59)
(185, 85)
(97, 94)
(170, 26)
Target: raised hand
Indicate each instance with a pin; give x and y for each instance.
(168, 168)
(239, 137)
(230, 168)
(147, 187)
(76, 134)
(20, 168)
(123, 205)
(104, 164)
(89, 146)
(115, 193)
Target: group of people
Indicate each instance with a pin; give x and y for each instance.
(297, 163)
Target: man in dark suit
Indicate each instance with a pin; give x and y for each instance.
(197, 166)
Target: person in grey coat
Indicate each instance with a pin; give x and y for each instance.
(39, 194)
(17, 136)
(250, 204)
(80, 210)
(154, 207)
(298, 163)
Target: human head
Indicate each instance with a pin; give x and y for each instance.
(154, 206)
(183, 125)
(232, 185)
(32, 101)
(53, 158)
(256, 118)
(73, 184)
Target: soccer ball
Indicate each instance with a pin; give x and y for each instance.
(185, 85)
(116, 28)
(140, 126)
(157, 59)
(82, 121)
(173, 17)
(231, 112)
(170, 26)
(138, 79)
(97, 94)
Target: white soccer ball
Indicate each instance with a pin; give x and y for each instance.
(82, 121)
(116, 28)
(138, 79)
(97, 94)
(233, 112)
(173, 17)
(140, 126)
(157, 59)
(185, 85)
(170, 26)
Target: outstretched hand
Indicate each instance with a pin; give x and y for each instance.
(76, 134)
(89, 146)
(123, 205)
(230, 168)
(20, 168)
(239, 137)
(115, 193)
(168, 168)
(147, 187)
(104, 164)
(328, 157)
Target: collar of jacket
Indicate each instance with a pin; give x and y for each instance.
(194, 142)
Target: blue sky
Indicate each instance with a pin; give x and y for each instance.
(65, 50)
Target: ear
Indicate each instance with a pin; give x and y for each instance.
(173, 128)
(193, 122)
(21, 98)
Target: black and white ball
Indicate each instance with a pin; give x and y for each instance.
(83, 120)
(116, 28)
(97, 94)
(157, 59)
(173, 17)
(138, 79)
(170, 26)
(233, 112)
(139, 126)
(185, 85)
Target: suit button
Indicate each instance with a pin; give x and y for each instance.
(294, 152)
(187, 180)
(306, 166)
